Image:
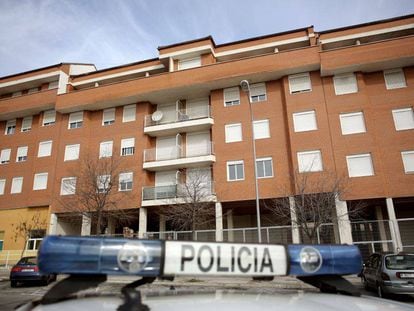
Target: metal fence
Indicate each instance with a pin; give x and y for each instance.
(406, 227)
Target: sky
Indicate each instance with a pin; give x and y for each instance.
(107, 33)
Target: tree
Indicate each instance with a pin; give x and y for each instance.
(27, 226)
(194, 209)
(314, 203)
(92, 191)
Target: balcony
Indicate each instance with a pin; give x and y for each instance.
(177, 157)
(190, 120)
(176, 194)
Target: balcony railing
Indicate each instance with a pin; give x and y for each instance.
(178, 152)
(192, 113)
(203, 190)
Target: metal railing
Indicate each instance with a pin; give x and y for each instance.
(191, 113)
(406, 227)
(204, 190)
(177, 152)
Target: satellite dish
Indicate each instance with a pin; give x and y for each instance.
(157, 116)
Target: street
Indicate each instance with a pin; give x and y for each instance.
(12, 297)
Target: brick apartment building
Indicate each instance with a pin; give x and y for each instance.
(336, 101)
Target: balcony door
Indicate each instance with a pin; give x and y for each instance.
(198, 144)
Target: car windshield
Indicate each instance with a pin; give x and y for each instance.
(400, 262)
(28, 261)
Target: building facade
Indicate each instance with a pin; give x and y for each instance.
(337, 102)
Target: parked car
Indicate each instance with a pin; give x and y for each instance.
(389, 273)
(26, 270)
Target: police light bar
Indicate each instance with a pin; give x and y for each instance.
(155, 258)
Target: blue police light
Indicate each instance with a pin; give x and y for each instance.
(324, 260)
(100, 255)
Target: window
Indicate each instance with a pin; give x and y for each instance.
(258, 92)
(394, 79)
(264, 167)
(233, 132)
(231, 96)
(75, 120)
(1, 240)
(300, 83)
(103, 183)
(21, 154)
(5, 156)
(189, 63)
(53, 85)
(45, 149)
(2, 186)
(345, 84)
(127, 146)
(49, 117)
(108, 116)
(105, 149)
(40, 181)
(33, 90)
(125, 181)
(235, 170)
(408, 161)
(352, 123)
(72, 152)
(68, 186)
(17, 184)
(35, 238)
(261, 129)
(310, 161)
(360, 165)
(10, 127)
(305, 121)
(129, 113)
(18, 93)
(27, 124)
(403, 119)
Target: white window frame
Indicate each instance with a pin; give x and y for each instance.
(103, 148)
(49, 117)
(103, 180)
(48, 143)
(258, 92)
(108, 116)
(129, 113)
(40, 182)
(349, 130)
(75, 120)
(10, 127)
(299, 117)
(408, 161)
(231, 96)
(410, 115)
(343, 89)
(230, 163)
(271, 167)
(389, 86)
(21, 155)
(228, 128)
(355, 156)
(33, 90)
(72, 152)
(257, 123)
(296, 90)
(126, 181)
(2, 186)
(68, 186)
(5, 156)
(127, 150)
(17, 93)
(189, 63)
(17, 185)
(53, 85)
(26, 124)
(312, 168)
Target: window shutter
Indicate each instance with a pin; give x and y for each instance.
(108, 116)
(40, 181)
(310, 161)
(68, 186)
(233, 132)
(394, 79)
(125, 181)
(258, 89)
(304, 121)
(189, 63)
(27, 124)
(53, 85)
(2, 186)
(45, 149)
(21, 154)
(128, 142)
(72, 152)
(261, 129)
(352, 123)
(232, 96)
(129, 113)
(300, 83)
(49, 117)
(345, 84)
(403, 119)
(408, 161)
(360, 165)
(5, 156)
(17, 185)
(105, 149)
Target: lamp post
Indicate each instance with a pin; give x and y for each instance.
(245, 86)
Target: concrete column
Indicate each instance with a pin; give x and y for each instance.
(230, 225)
(219, 222)
(344, 225)
(53, 224)
(295, 228)
(395, 229)
(142, 230)
(86, 225)
(162, 226)
(381, 227)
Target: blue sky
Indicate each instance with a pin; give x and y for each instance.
(38, 33)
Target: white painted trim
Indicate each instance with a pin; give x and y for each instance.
(179, 162)
(63, 81)
(171, 201)
(178, 125)
(29, 79)
(188, 51)
(120, 74)
(367, 33)
(262, 46)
